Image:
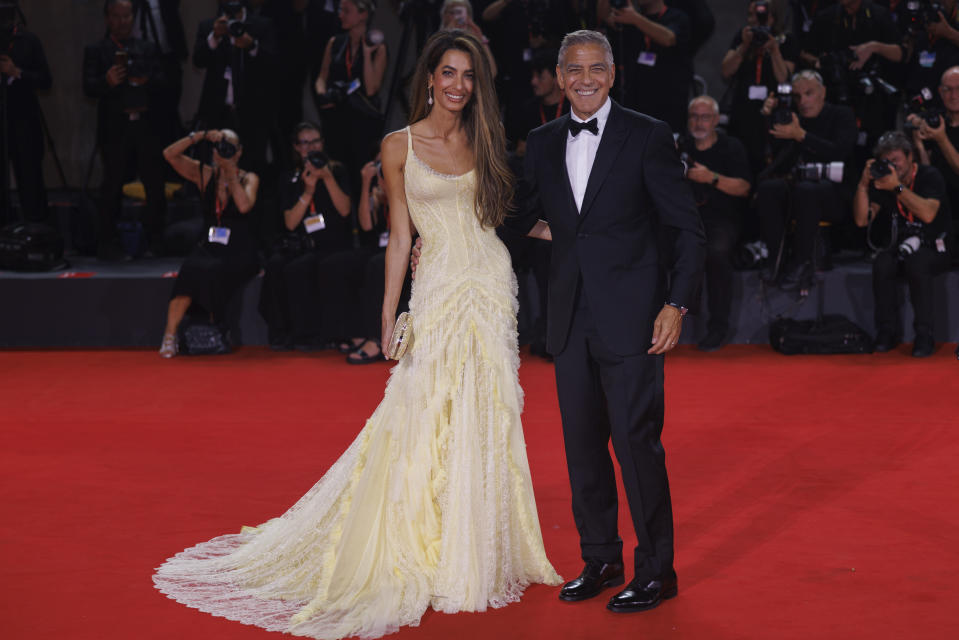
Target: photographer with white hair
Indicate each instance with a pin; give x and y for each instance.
(718, 170)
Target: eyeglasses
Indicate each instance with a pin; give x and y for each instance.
(701, 117)
(311, 141)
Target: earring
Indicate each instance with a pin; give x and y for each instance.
(429, 90)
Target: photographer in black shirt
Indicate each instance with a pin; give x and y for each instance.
(316, 216)
(23, 72)
(652, 45)
(939, 145)
(720, 178)
(124, 74)
(909, 201)
(797, 182)
(932, 45)
(760, 58)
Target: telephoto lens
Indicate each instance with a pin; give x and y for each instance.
(225, 148)
(909, 246)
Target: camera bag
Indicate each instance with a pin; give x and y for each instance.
(199, 337)
(830, 334)
(31, 246)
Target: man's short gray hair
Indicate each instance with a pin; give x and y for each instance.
(709, 100)
(808, 74)
(581, 37)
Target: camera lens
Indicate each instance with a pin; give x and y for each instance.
(226, 149)
(318, 159)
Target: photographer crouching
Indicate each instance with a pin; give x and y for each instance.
(804, 179)
(719, 172)
(909, 199)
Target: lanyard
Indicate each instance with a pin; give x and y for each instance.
(646, 38)
(559, 110)
(120, 45)
(759, 67)
(905, 213)
(349, 59)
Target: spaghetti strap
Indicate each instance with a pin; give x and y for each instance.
(409, 139)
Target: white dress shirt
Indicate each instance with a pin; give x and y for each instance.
(581, 152)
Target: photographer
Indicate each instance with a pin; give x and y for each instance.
(350, 79)
(895, 192)
(124, 74)
(719, 173)
(227, 258)
(855, 45)
(658, 67)
(238, 50)
(936, 136)
(760, 58)
(23, 72)
(458, 14)
(159, 21)
(932, 43)
(548, 101)
(316, 217)
(820, 133)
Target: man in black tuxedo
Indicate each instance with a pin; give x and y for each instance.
(608, 180)
(159, 22)
(238, 88)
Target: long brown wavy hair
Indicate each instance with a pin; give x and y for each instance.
(480, 120)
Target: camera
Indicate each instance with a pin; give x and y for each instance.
(335, 93)
(374, 37)
(918, 14)
(236, 28)
(8, 34)
(783, 112)
(618, 4)
(842, 80)
(909, 246)
(233, 10)
(750, 255)
(880, 169)
(923, 106)
(225, 148)
(318, 159)
(819, 171)
(762, 31)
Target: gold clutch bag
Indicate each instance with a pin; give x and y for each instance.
(402, 337)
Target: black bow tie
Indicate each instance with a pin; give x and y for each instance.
(591, 126)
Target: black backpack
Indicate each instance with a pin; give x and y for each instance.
(829, 334)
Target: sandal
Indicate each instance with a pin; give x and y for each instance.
(358, 356)
(168, 347)
(350, 345)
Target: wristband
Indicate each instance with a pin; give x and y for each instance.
(305, 202)
(715, 179)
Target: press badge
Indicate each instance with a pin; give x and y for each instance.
(927, 59)
(647, 59)
(384, 239)
(527, 55)
(862, 138)
(314, 223)
(219, 235)
(353, 86)
(758, 92)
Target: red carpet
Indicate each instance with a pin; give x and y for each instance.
(815, 497)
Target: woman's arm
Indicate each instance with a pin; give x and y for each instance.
(401, 239)
(374, 66)
(192, 170)
(324, 76)
(242, 189)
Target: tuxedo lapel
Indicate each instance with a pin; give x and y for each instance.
(614, 136)
(557, 150)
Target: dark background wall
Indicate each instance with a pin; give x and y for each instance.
(65, 26)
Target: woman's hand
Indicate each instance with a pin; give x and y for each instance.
(214, 136)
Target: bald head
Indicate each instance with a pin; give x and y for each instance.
(949, 90)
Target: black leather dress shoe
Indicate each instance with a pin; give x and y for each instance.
(595, 577)
(923, 346)
(885, 341)
(640, 595)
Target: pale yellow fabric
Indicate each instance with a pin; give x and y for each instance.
(432, 505)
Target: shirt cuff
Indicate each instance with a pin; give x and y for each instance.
(212, 41)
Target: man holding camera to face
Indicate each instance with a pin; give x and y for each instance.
(813, 147)
(935, 133)
(124, 74)
(905, 203)
(237, 49)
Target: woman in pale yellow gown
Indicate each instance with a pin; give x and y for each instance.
(432, 505)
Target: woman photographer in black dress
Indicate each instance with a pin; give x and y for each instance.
(351, 75)
(316, 217)
(227, 257)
